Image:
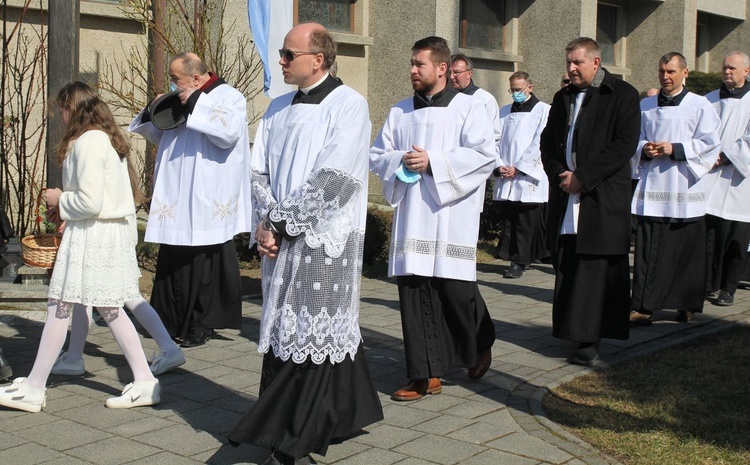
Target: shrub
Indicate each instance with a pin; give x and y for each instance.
(703, 83)
(377, 235)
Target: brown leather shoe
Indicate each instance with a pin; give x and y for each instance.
(484, 360)
(418, 389)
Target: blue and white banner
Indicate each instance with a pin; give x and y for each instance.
(270, 20)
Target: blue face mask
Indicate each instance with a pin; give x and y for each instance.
(172, 86)
(519, 97)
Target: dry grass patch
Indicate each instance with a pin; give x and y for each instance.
(685, 405)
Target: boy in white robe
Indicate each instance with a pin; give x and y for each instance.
(728, 204)
(433, 154)
(679, 144)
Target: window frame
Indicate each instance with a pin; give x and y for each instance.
(463, 27)
(352, 17)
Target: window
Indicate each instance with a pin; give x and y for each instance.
(483, 24)
(607, 33)
(702, 47)
(335, 15)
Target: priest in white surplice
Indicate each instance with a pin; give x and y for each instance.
(201, 199)
(435, 151)
(521, 185)
(728, 205)
(309, 184)
(679, 144)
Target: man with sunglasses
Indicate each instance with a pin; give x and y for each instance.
(434, 154)
(309, 177)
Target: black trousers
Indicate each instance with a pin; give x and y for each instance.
(726, 253)
(524, 231)
(446, 325)
(197, 286)
(670, 266)
(592, 294)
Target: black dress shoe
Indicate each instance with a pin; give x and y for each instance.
(196, 337)
(586, 354)
(515, 271)
(725, 299)
(5, 371)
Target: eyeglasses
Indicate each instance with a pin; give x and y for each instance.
(511, 90)
(458, 73)
(290, 55)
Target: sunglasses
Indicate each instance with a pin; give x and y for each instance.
(290, 55)
(566, 81)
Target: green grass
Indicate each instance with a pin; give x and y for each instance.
(685, 405)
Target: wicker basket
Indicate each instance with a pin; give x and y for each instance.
(40, 250)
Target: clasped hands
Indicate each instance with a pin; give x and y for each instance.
(507, 171)
(52, 199)
(657, 149)
(267, 240)
(570, 184)
(417, 160)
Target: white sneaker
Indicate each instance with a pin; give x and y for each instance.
(21, 396)
(64, 367)
(137, 394)
(162, 363)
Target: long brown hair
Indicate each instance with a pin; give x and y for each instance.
(88, 111)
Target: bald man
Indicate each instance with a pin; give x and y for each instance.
(201, 199)
(309, 176)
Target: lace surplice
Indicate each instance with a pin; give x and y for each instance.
(311, 290)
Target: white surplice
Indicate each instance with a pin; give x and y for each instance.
(202, 174)
(436, 220)
(729, 196)
(310, 172)
(519, 147)
(669, 188)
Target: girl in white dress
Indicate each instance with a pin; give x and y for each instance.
(96, 263)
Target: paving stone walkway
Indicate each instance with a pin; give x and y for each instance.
(497, 420)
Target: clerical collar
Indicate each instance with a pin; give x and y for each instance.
(525, 106)
(441, 99)
(671, 100)
(316, 93)
(737, 92)
(213, 82)
(306, 90)
(471, 89)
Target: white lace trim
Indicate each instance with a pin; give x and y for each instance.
(311, 302)
(400, 249)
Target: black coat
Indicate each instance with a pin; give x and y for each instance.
(605, 139)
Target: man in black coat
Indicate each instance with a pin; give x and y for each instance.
(591, 134)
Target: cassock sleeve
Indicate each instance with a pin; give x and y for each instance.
(619, 150)
(385, 159)
(221, 116)
(146, 129)
(323, 208)
(530, 160)
(555, 119)
(458, 172)
(739, 153)
(88, 159)
(702, 151)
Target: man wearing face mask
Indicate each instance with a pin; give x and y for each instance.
(521, 184)
(201, 199)
(591, 133)
(727, 212)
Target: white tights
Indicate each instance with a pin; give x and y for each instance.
(53, 338)
(142, 311)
